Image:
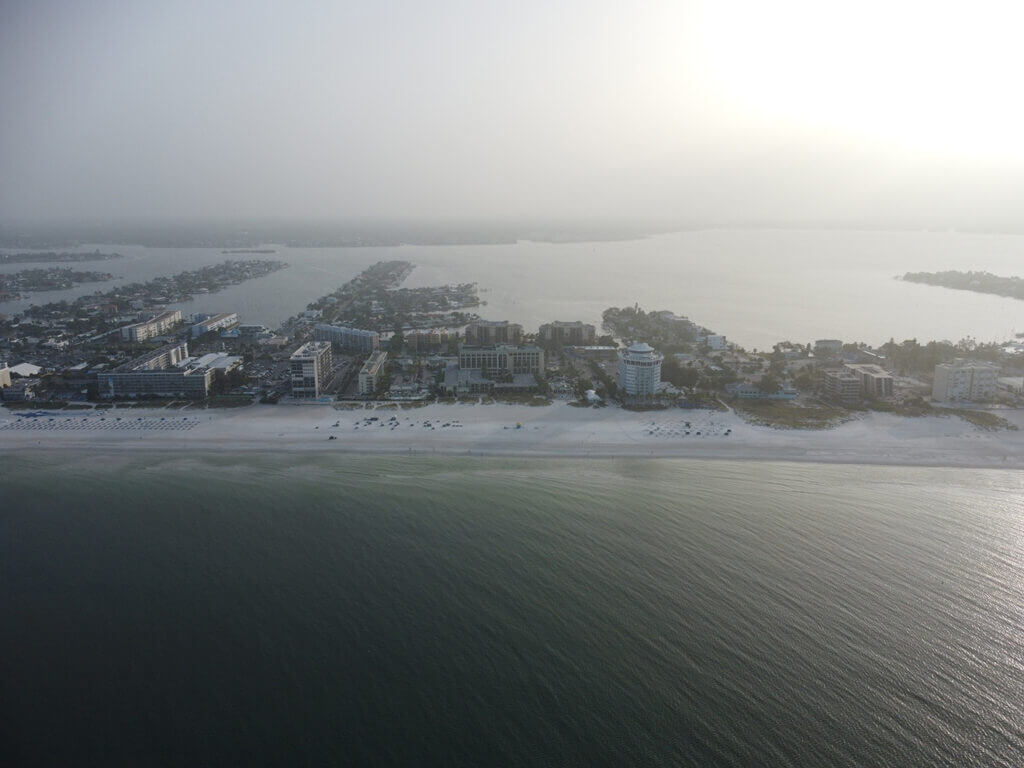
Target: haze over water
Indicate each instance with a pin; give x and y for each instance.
(757, 287)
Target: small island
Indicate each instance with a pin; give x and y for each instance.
(160, 291)
(46, 279)
(48, 256)
(374, 300)
(185, 285)
(978, 282)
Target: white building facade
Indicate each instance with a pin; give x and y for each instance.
(640, 370)
(214, 323)
(348, 338)
(156, 325)
(370, 373)
(310, 368)
(964, 380)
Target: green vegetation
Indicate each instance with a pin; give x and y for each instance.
(982, 419)
(910, 357)
(161, 290)
(679, 375)
(661, 329)
(787, 414)
(978, 282)
(410, 404)
(49, 279)
(912, 408)
(37, 256)
(916, 407)
(531, 400)
(229, 401)
(609, 387)
(652, 405)
(33, 405)
(373, 300)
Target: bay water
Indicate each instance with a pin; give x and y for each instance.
(757, 287)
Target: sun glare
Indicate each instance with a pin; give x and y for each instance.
(924, 77)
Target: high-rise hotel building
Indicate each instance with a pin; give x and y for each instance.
(311, 368)
(640, 370)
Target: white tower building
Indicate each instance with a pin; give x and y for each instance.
(640, 370)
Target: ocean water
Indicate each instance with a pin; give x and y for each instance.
(757, 287)
(208, 610)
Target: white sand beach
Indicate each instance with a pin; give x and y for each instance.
(513, 430)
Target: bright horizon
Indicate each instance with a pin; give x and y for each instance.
(693, 112)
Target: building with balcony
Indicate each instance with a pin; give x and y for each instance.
(501, 368)
(166, 372)
(964, 380)
(371, 372)
(575, 333)
(311, 368)
(841, 386)
(875, 381)
(152, 326)
(353, 339)
(488, 333)
(214, 323)
(640, 370)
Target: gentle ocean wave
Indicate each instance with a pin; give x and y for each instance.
(209, 610)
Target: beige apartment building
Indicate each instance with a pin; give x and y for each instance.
(154, 326)
(371, 372)
(964, 380)
(487, 333)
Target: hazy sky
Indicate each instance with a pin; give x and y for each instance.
(724, 110)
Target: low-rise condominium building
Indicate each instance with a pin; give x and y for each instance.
(151, 326)
(214, 323)
(841, 385)
(354, 339)
(875, 381)
(166, 372)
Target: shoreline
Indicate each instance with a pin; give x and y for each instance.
(512, 431)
